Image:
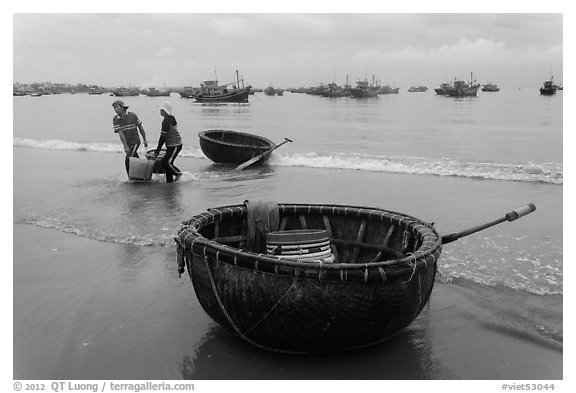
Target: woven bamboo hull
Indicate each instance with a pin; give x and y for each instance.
(232, 147)
(313, 316)
(311, 308)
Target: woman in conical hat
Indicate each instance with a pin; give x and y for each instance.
(170, 136)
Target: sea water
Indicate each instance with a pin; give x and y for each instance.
(456, 161)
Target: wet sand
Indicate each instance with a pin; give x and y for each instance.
(85, 309)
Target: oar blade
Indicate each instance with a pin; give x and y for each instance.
(257, 158)
(249, 162)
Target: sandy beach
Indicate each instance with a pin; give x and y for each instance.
(109, 311)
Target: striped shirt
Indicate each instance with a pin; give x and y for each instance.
(170, 132)
(129, 126)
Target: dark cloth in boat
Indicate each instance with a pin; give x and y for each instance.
(262, 217)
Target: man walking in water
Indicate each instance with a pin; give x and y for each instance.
(126, 125)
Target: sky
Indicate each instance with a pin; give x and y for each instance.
(285, 50)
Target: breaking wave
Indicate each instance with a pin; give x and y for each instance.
(541, 172)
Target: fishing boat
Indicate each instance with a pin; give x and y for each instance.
(211, 91)
(153, 92)
(548, 87)
(270, 91)
(317, 90)
(388, 90)
(254, 272)
(232, 147)
(419, 89)
(337, 91)
(334, 90)
(461, 88)
(126, 92)
(441, 90)
(490, 87)
(188, 92)
(363, 90)
(341, 92)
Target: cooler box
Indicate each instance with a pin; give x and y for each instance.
(140, 168)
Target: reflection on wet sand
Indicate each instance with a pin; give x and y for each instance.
(238, 185)
(223, 356)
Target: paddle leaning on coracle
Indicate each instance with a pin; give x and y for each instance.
(253, 271)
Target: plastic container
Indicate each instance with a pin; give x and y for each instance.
(140, 168)
(300, 244)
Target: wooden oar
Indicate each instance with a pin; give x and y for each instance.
(513, 215)
(260, 156)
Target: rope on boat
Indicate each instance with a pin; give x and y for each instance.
(273, 307)
(419, 299)
(412, 265)
(236, 329)
(180, 257)
(190, 229)
(382, 273)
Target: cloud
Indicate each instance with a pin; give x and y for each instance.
(296, 49)
(167, 51)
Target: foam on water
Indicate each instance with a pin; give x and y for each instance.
(528, 172)
(544, 172)
(58, 144)
(158, 240)
(537, 270)
(186, 177)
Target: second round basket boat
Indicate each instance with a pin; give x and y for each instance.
(232, 147)
(378, 282)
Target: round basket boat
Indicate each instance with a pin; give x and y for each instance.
(232, 147)
(379, 280)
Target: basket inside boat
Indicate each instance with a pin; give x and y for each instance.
(300, 244)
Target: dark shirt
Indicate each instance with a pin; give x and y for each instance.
(170, 132)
